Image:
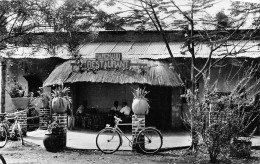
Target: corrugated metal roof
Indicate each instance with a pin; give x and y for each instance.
(32, 52)
(138, 48)
(141, 50)
(123, 47)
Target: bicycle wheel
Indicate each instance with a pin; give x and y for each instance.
(108, 140)
(149, 140)
(3, 136)
(2, 159)
(20, 133)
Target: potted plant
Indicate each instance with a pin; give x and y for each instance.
(61, 100)
(16, 93)
(140, 104)
(52, 141)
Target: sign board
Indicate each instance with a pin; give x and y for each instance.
(108, 56)
(107, 64)
(109, 61)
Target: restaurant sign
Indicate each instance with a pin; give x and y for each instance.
(109, 61)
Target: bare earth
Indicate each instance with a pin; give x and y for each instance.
(14, 152)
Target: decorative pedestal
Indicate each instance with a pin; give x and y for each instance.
(135, 130)
(62, 133)
(45, 114)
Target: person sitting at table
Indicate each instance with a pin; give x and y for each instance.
(125, 109)
(116, 108)
(125, 112)
(80, 110)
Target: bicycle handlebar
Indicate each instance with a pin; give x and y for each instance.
(117, 119)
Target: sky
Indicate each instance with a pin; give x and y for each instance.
(220, 5)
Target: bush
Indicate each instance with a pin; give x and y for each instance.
(220, 118)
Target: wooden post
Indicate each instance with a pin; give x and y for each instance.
(2, 84)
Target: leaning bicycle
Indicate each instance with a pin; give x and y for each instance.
(148, 141)
(2, 159)
(10, 131)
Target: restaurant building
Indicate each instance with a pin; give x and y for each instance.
(117, 62)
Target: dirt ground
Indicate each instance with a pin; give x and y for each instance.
(14, 152)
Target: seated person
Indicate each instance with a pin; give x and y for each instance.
(80, 110)
(126, 112)
(126, 109)
(116, 108)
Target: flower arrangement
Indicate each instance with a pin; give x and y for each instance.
(16, 90)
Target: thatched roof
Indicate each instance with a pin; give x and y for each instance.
(158, 74)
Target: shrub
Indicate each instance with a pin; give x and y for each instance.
(220, 118)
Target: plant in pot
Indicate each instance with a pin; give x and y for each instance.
(60, 100)
(45, 98)
(140, 104)
(52, 141)
(16, 93)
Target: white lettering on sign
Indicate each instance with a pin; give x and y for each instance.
(109, 56)
(109, 64)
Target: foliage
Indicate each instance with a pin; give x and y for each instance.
(71, 18)
(220, 118)
(196, 21)
(43, 94)
(54, 126)
(19, 18)
(22, 23)
(15, 89)
(223, 21)
(140, 93)
(61, 91)
(241, 8)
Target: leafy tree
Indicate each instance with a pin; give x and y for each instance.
(223, 21)
(75, 23)
(198, 28)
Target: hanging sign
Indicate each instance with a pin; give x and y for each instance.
(107, 64)
(108, 56)
(109, 61)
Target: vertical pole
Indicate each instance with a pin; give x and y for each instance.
(2, 84)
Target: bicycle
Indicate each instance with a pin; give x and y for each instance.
(2, 159)
(12, 133)
(148, 141)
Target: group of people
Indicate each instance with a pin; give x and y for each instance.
(124, 112)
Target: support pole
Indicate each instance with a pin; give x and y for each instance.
(2, 84)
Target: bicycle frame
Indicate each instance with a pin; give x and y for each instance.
(15, 126)
(116, 128)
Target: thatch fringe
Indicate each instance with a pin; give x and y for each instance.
(158, 74)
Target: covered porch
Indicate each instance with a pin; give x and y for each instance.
(97, 90)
